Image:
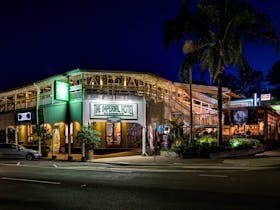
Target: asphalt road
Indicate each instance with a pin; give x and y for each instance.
(65, 185)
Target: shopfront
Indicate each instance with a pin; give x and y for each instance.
(260, 122)
(120, 105)
(119, 119)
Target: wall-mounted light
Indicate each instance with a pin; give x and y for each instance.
(124, 82)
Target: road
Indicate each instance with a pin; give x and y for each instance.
(67, 185)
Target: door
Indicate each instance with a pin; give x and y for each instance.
(113, 134)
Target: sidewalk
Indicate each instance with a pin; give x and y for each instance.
(262, 160)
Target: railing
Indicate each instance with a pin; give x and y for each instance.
(202, 116)
(150, 86)
(205, 120)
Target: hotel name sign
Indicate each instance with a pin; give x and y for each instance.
(113, 109)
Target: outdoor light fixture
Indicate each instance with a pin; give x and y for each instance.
(124, 82)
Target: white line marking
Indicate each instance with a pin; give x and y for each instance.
(214, 175)
(18, 163)
(121, 170)
(30, 180)
(108, 169)
(54, 165)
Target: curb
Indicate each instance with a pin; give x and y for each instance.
(231, 164)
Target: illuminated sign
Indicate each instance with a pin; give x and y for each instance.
(265, 97)
(113, 119)
(240, 116)
(61, 91)
(24, 116)
(119, 110)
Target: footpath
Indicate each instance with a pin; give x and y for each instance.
(267, 159)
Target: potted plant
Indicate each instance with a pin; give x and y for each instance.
(89, 139)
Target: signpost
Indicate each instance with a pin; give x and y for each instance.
(62, 93)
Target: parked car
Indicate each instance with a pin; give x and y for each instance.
(17, 151)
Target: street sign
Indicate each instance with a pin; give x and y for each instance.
(113, 119)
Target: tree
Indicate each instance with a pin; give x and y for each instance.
(254, 82)
(273, 79)
(185, 24)
(44, 135)
(222, 27)
(89, 138)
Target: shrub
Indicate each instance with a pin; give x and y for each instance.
(207, 139)
(242, 143)
(163, 149)
(89, 136)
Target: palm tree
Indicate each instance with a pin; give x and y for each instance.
(186, 68)
(219, 39)
(184, 24)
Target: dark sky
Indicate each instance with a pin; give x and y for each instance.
(40, 38)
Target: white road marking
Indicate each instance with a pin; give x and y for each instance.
(121, 170)
(54, 165)
(214, 175)
(30, 180)
(96, 168)
(18, 163)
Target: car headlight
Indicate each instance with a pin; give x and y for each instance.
(38, 153)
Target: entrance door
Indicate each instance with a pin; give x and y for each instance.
(11, 135)
(113, 134)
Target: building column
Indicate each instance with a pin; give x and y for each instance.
(7, 139)
(37, 115)
(16, 135)
(144, 140)
(144, 127)
(265, 134)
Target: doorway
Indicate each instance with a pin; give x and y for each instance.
(113, 134)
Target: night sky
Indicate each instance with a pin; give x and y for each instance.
(41, 38)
